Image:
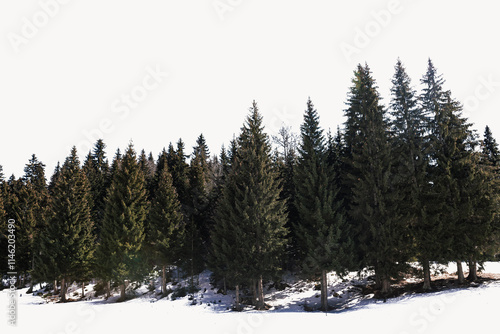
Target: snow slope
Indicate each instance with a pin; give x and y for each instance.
(456, 310)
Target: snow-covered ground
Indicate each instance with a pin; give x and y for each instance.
(452, 311)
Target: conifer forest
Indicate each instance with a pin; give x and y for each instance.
(404, 180)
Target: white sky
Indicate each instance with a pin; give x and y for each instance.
(71, 75)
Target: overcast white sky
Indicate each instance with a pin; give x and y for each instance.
(153, 71)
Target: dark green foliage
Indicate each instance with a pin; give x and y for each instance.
(36, 186)
(179, 169)
(165, 232)
(148, 168)
(286, 162)
(68, 242)
(97, 170)
(249, 235)
(381, 234)
(490, 148)
(321, 228)
(122, 235)
(198, 208)
(410, 146)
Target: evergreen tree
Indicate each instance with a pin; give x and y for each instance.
(166, 226)
(36, 188)
(22, 207)
(490, 148)
(68, 242)
(122, 235)
(456, 187)
(148, 168)
(199, 217)
(380, 234)
(286, 163)
(249, 234)
(179, 169)
(97, 170)
(321, 228)
(53, 178)
(410, 146)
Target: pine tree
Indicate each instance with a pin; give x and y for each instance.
(179, 169)
(286, 163)
(68, 242)
(166, 226)
(21, 205)
(122, 235)
(490, 148)
(97, 170)
(199, 217)
(36, 187)
(148, 168)
(53, 178)
(249, 234)
(411, 148)
(321, 227)
(381, 235)
(459, 186)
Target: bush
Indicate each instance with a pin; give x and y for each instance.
(100, 288)
(179, 293)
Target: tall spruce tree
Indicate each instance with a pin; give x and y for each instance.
(68, 242)
(122, 234)
(490, 148)
(409, 126)
(380, 232)
(36, 186)
(165, 233)
(286, 162)
(249, 234)
(96, 168)
(321, 227)
(457, 186)
(197, 210)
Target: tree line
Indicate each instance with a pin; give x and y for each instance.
(410, 182)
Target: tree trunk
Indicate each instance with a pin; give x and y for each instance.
(122, 292)
(254, 292)
(163, 281)
(55, 288)
(324, 291)
(260, 292)
(83, 290)
(427, 275)
(108, 289)
(472, 271)
(30, 290)
(225, 288)
(386, 286)
(63, 290)
(460, 273)
(378, 281)
(237, 303)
